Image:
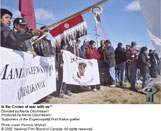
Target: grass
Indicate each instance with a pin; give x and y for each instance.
(107, 96)
(158, 86)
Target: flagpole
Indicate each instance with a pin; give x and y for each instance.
(40, 37)
(80, 12)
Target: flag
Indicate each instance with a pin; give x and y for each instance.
(66, 25)
(26, 8)
(70, 29)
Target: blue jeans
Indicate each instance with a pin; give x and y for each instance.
(65, 89)
(133, 69)
(121, 72)
(112, 75)
(137, 74)
(157, 69)
(146, 78)
(106, 75)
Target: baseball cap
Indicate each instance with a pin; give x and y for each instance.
(20, 21)
(43, 27)
(133, 43)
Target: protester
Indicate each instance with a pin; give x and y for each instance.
(153, 62)
(157, 62)
(132, 61)
(11, 38)
(101, 49)
(64, 89)
(144, 66)
(128, 53)
(91, 53)
(19, 25)
(101, 62)
(84, 47)
(120, 56)
(43, 47)
(109, 59)
(138, 81)
(76, 50)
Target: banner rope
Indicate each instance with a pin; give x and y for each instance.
(98, 21)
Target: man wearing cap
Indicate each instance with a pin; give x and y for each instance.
(19, 25)
(10, 38)
(132, 62)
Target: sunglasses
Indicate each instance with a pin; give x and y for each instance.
(23, 26)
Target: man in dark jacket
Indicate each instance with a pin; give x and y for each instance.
(120, 56)
(43, 47)
(153, 62)
(10, 38)
(157, 62)
(132, 62)
(109, 59)
(144, 66)
(19, 25)
(101, 62)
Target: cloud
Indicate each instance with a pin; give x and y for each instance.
(16, 13)
(133, 6)
(40, 13)
(43, 14)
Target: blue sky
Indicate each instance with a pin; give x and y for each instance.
(122, 19)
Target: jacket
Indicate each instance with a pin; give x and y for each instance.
(15, 39)
(120, 55)
(92, 53)
(84, 47)
(43, 48)
(109, 57)
(100, 50)
(144, 64)
(77, 51)
(153, 61)
(132, 56)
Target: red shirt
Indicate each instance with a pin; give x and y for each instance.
(132, 56)
(92, 54)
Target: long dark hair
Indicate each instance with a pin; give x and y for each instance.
(144, 49)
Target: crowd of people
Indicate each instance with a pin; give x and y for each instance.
(115, 65)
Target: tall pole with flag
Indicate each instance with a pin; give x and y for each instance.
(26, 8)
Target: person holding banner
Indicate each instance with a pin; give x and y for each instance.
(43, 46)
(64, 90)
(10, 38)
(92, 53)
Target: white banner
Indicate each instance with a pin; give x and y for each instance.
(78, 71)
(24, 78)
